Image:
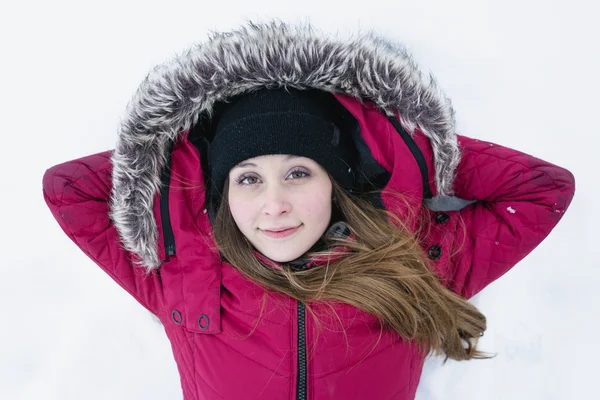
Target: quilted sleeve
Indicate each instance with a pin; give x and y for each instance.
(77, 193)
(519, 200)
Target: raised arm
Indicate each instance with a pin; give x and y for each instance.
(519, 200)
(77, 193)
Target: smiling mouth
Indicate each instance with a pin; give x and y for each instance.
(280, 233)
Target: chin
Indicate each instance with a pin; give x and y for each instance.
(283, 257)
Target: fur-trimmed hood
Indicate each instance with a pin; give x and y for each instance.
(174, 95)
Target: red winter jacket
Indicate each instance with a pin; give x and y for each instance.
(487, 207)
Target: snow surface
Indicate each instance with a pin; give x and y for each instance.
(523, 74)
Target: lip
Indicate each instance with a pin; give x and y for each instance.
(278, 233)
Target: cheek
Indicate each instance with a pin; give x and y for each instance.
(318, 205)
(242, 212)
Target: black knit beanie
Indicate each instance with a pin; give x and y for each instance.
(305, 123)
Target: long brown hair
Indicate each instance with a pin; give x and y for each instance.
(384, 272)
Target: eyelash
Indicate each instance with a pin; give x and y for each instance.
(294, 171)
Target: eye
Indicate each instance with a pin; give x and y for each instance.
(247, 179)
(299, 173)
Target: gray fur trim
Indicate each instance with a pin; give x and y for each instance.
(174, 95)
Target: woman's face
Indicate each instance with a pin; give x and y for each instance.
(281, 203)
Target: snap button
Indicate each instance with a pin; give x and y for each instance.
(435, 252)
(200, 325)
(441, 218)
(176, 316)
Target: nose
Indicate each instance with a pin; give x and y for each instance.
(275, 201)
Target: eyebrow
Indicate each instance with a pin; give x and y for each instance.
(249, 164)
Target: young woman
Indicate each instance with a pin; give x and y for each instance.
(300, 214)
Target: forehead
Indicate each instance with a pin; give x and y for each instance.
(271, 158)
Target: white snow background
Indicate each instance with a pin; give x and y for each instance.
(523, 74)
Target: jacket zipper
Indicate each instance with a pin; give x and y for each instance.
(301, 377)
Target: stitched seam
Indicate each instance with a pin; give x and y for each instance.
(184, 341)
(193, 342)
(529, 169)
(206, 383)
(255, 316)
(83, 246)
(94, 173)
(245, 356)
(404, 387)
(370, 356)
